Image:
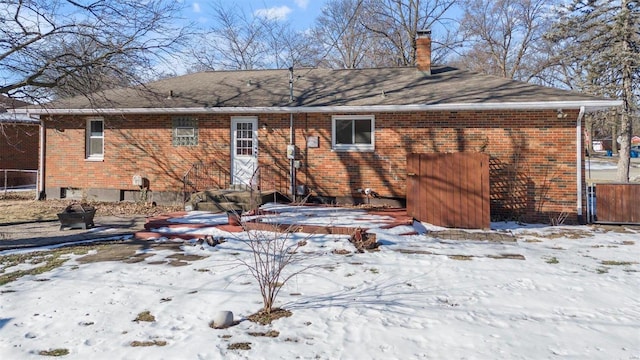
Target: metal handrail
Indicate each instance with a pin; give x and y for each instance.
(186, 182)
(274, 177)
(254, 182)
(202, 176)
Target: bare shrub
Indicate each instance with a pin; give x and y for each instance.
(272, 255)
(557, 219)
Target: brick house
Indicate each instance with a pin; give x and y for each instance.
(352, 129)
(19, 144)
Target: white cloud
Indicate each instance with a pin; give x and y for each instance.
(274, 13)
(302, 3)
(196, 7)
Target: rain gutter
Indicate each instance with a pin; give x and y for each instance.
(588, 105)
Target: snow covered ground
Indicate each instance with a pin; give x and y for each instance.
(556, 292)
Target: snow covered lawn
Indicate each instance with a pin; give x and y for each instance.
(556, 292)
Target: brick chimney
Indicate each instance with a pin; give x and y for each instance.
(423, 51)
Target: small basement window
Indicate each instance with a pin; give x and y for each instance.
(353, 133)
(94, 147)
(185, 131)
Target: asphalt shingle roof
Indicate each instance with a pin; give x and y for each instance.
(9, 103)
(7, 117)
(321, 88)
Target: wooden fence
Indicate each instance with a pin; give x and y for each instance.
(450, 190)
(617, 203)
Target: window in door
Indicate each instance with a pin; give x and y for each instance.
(244, 138)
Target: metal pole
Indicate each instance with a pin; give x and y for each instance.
(292, 170)
(579, 154)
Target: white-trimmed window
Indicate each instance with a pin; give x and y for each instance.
(353, 132)
(95, 139)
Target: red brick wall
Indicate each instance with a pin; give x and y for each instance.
(533, 170)
(533, 161)
(19, 147)
(135, 145)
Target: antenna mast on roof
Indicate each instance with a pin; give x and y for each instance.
(291, 84)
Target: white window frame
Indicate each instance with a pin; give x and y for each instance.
(191, 129)
(353, 147)
(89, 137)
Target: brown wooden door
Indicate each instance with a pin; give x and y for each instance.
(450, 190)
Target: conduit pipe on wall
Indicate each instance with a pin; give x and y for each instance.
(579, 154)
(292, 168)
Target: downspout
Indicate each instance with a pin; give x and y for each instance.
(292, 161)
(579, 154)
(40, 194)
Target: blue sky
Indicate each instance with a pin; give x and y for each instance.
(300, 13)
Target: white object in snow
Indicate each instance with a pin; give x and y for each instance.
(223, 319)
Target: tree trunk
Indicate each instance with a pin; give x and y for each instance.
(627, 93)
(624, 153)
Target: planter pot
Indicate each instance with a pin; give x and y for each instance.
(77, 217)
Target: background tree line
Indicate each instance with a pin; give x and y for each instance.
(59, 48)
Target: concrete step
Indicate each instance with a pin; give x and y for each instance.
(232, 200)
(220, 207)
(240, 196)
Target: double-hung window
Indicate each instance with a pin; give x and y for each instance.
(353, 132)
(94, 146)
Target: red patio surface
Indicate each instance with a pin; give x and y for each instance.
(398, 217)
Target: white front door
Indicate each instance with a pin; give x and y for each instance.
(244, 149)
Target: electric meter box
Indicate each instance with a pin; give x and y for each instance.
(291, 152)
(137, 180)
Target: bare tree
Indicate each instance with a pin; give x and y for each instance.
(396, 23)
(287, 47)
(347, 34)
(601, 38)
(93, 70)
(246, 41)
(505, 37)
(236, 41)
(47, 44)
(343, 40)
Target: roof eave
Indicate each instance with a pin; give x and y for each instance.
(17, 119)
(589, 105)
